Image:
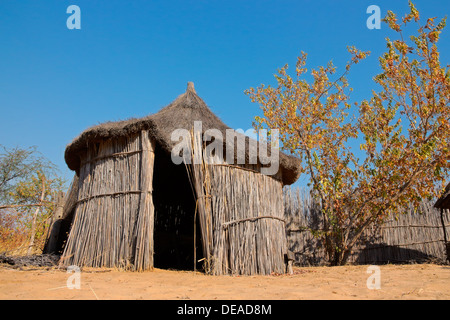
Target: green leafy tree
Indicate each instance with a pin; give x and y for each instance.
(28, 186)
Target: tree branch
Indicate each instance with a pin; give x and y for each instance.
(10, 206)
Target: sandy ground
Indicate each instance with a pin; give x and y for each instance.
(420, 281)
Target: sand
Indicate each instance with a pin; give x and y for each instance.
(419, 281)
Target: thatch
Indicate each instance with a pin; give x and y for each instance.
(180, 114)
(444, 201)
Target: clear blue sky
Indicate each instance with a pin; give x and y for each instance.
(131, 58)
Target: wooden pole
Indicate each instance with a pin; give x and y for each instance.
(446, 244)
(33, 225)
(146, 216)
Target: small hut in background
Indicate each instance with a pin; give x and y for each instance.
(443, 203)
(136, 209)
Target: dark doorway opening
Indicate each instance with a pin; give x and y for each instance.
(174, 203)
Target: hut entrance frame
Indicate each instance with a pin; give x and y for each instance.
(176, 236)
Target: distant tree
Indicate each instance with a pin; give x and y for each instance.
(28, 186)
(403, 130)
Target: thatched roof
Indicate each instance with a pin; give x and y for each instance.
(180, 114)
(444, 201)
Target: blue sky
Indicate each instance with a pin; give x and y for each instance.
(132, 58)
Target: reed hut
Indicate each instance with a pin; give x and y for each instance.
(136, 209)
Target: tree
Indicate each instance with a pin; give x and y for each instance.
(403, 131)
(28, 186)
(19, 164)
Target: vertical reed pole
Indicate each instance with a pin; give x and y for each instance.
(146, 216)
(446, 244)
(199, 176)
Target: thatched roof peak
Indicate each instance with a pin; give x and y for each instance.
(180, 114)
(190, 87)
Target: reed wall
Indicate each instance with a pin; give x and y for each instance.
(249, 232)
(241, 216)
(114, 217)
(415, 236)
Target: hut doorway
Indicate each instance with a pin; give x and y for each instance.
(174, 216)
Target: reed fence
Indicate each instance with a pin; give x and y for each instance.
(415, 236)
